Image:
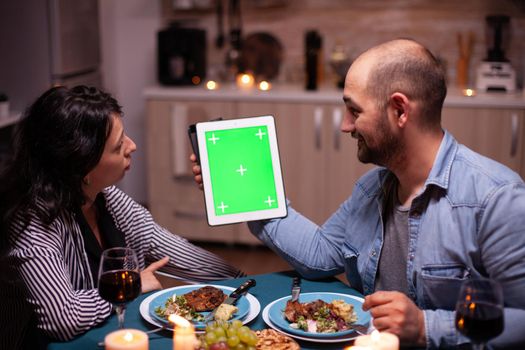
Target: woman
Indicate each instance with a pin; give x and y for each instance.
(60, 210)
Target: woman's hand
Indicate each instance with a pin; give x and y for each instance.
(147, 276)
(196, 169)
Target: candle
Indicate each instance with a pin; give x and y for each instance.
(245, 81)
(126, 339)
(212, 85)
(469, 92)
(183, 333)
(378, 341)
(264, 85)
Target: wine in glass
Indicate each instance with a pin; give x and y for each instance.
(479, 311)
(119, 279)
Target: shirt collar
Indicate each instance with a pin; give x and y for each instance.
(440, 172)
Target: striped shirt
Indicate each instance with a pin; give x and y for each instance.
(45, 278)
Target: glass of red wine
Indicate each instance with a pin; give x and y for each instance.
(119, 279)
(479, 311)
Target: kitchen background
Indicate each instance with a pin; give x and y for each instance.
(128, 42)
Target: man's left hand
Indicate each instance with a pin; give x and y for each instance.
(395, 313)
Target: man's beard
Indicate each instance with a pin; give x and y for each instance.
(388, 147)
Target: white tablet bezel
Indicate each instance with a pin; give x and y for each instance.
(269, 122)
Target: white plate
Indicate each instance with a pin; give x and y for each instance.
(266, 318)
(255, 306)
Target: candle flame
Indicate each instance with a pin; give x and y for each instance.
(246, 78)
(128, 336)
(264, 85)
(179, 321)
(211, 85)
(469, 92)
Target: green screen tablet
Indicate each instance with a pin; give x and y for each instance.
(241, 170)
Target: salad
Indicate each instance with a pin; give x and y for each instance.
(178, 305)
(319, 316)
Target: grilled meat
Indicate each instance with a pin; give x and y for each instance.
(206, 298)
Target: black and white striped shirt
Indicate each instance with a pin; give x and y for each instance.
(45, 278)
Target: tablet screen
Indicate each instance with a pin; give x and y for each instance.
(241, 170)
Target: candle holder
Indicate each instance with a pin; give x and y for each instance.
(264, 85)
(378, 341)
(245, 81)
(212, 85)
(126, 339)
(183, 333)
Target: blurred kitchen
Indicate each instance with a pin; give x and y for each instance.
(173, 62)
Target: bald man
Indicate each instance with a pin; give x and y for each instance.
(431, 215)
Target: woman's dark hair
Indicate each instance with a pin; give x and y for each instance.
(59, 140)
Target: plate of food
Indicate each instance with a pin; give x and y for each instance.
(194, 302)
(318, 315)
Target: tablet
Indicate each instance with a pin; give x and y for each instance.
(241, 170)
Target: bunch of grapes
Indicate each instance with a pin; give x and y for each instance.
(228, 336)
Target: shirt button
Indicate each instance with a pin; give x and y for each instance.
(373, 253)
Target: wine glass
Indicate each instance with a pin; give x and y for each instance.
(479, 311)
(119, 279)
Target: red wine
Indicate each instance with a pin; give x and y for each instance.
(119, 286)
(480, 322)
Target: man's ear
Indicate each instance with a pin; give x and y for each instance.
(399, 104)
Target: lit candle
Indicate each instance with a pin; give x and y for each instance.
(264, 85)
(378, 341)
(183, 333)
(469, 92)
(126, 339)
(212, 85)
(245, 81)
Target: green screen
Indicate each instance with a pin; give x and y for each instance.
(241, 170)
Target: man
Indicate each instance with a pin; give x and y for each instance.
(432, 215)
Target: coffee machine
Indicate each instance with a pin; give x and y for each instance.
(495, 73)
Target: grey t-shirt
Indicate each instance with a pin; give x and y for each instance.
(391, 274)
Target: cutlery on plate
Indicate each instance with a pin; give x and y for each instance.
(296, 288)
(154, 330)
(232, 298)
(360, 329)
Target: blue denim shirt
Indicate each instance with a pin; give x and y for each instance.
(468, 221)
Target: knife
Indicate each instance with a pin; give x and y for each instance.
(232, 298)
(296, 288)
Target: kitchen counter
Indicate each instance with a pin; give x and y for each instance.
(296, 94)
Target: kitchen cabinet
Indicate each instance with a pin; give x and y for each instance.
(319, 163)
(175, 201)
(495, 133)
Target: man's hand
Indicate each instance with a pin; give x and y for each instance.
(394, 312)
(196, 169)
(147, 276)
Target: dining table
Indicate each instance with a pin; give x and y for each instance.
(269, 287)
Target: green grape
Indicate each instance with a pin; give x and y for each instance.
(219, 331)
(231, 332)
(233, 341)
(222, 339)
(240, 346)
(244, 335)
(252, 339)
(236, 324)
(210, 337)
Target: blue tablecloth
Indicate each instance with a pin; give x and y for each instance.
(269, 288)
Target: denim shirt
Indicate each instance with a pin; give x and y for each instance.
(467, 221)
